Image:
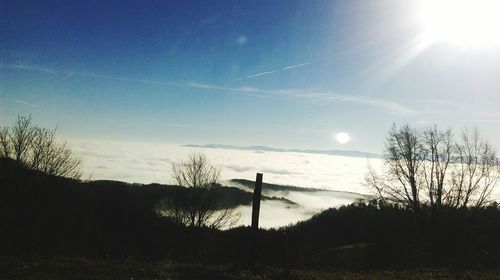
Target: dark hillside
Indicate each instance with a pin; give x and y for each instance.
(43, 215)
(49, 215)
(372, 235)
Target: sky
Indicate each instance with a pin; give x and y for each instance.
(286, 74)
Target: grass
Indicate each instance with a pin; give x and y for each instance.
(130, 269)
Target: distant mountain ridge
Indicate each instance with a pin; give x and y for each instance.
(308, 151)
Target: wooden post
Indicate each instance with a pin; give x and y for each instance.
(256, 201)
(255, 218)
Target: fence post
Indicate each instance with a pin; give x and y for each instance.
(256, 201)
(255, 218)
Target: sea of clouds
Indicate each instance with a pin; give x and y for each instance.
(141, 162)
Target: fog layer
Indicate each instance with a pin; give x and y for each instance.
(341, 177)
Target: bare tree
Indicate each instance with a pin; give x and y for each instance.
(42, 143)
(21, 137)
(475, 173)
(38, 148)
(438, 151)
(428, 166)
(403, 162)
(5, 144)
(200, 207)
(52, 157)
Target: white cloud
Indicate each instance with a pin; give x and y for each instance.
(151, 163)
(323, 97)
(28, 67)
(141, 162)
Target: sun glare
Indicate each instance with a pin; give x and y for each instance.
(342, 137)
(464, 22)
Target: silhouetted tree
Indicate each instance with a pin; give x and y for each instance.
(21, 136)
(438, 152)
(200, 205)
(404, 162)
(427, 166)
(475, 173)
(38, 148)
(52, 157)
(5, 144)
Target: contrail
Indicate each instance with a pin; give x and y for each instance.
(274, 71)
(22, 102)
(67, 76)
(320, 97)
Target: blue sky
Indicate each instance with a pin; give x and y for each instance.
(278, 73)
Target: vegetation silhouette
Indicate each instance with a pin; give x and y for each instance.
(428, 166)
(38, 149)
(46, 215)
(201, 205)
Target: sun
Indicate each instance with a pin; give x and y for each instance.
(464, 22)
(342, 137)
